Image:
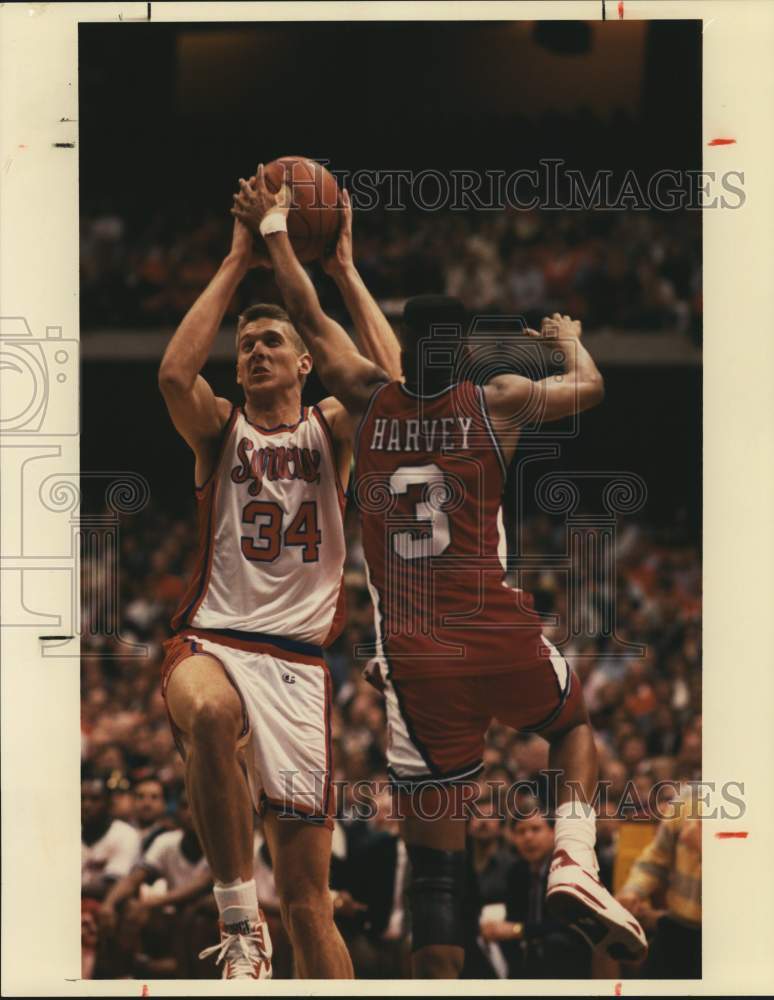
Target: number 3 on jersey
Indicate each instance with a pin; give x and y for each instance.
(266, 544)
(403, 542)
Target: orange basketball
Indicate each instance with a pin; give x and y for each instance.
(313, 221)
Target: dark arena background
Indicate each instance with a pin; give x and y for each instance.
(170, 116)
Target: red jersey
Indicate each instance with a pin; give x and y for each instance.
(429, 478)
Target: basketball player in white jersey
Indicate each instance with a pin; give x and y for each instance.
(245, 683)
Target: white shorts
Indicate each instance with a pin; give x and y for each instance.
(286, 701)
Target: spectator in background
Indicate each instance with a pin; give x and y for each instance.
(663, 891)
(369, 900)
(141, 910)
(612, 270)
(149, 809)
(489, 864)
(109, 848)
(534, 945)
(491, 859)
(124, 730)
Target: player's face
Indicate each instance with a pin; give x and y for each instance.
(267, 358)
(534, 838)
(148, 803)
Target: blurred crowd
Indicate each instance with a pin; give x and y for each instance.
(147, 908)
(625, 271)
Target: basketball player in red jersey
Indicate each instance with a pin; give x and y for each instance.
(245, 683)
(459, 648)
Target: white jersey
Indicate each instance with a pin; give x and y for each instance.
(165, 859)
(112, 856)
(271, 534)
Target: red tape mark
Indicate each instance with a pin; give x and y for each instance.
(618, 989)
(732, 835)
(145, 990)
(620, 9)
(721, 142)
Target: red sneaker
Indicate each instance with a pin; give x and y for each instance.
(245, 950)
(576, 896)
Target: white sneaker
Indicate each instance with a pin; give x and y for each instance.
(245, 949)
(576, 896)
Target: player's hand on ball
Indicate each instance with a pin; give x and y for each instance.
(340, 257)
(254, 201)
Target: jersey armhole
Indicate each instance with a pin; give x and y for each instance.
(490, 429)
(328, 434)
(227, 428)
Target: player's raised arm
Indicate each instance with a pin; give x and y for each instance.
(376, 338)
(579, 387)
(342, 368)
(196, 412)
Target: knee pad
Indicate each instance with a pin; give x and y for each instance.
(436, 895)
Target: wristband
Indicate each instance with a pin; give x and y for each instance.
(273, 222)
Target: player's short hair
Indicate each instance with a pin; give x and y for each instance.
(423, 313)
(267, 310)
(423, 317)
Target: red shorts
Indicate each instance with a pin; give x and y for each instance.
(437, 726)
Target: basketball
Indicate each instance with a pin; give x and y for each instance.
(313, 221)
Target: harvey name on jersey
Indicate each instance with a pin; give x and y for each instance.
(438, 434)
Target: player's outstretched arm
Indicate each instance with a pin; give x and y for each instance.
(376, 338)
(578, 388)
(196, 412)
(344, 371)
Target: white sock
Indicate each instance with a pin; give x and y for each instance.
(575, 831)
(237, 902)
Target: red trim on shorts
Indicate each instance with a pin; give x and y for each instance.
(178, 649)
(257, 647)
(571, 700)
(297, 811)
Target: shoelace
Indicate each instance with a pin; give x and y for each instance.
(243, 962)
